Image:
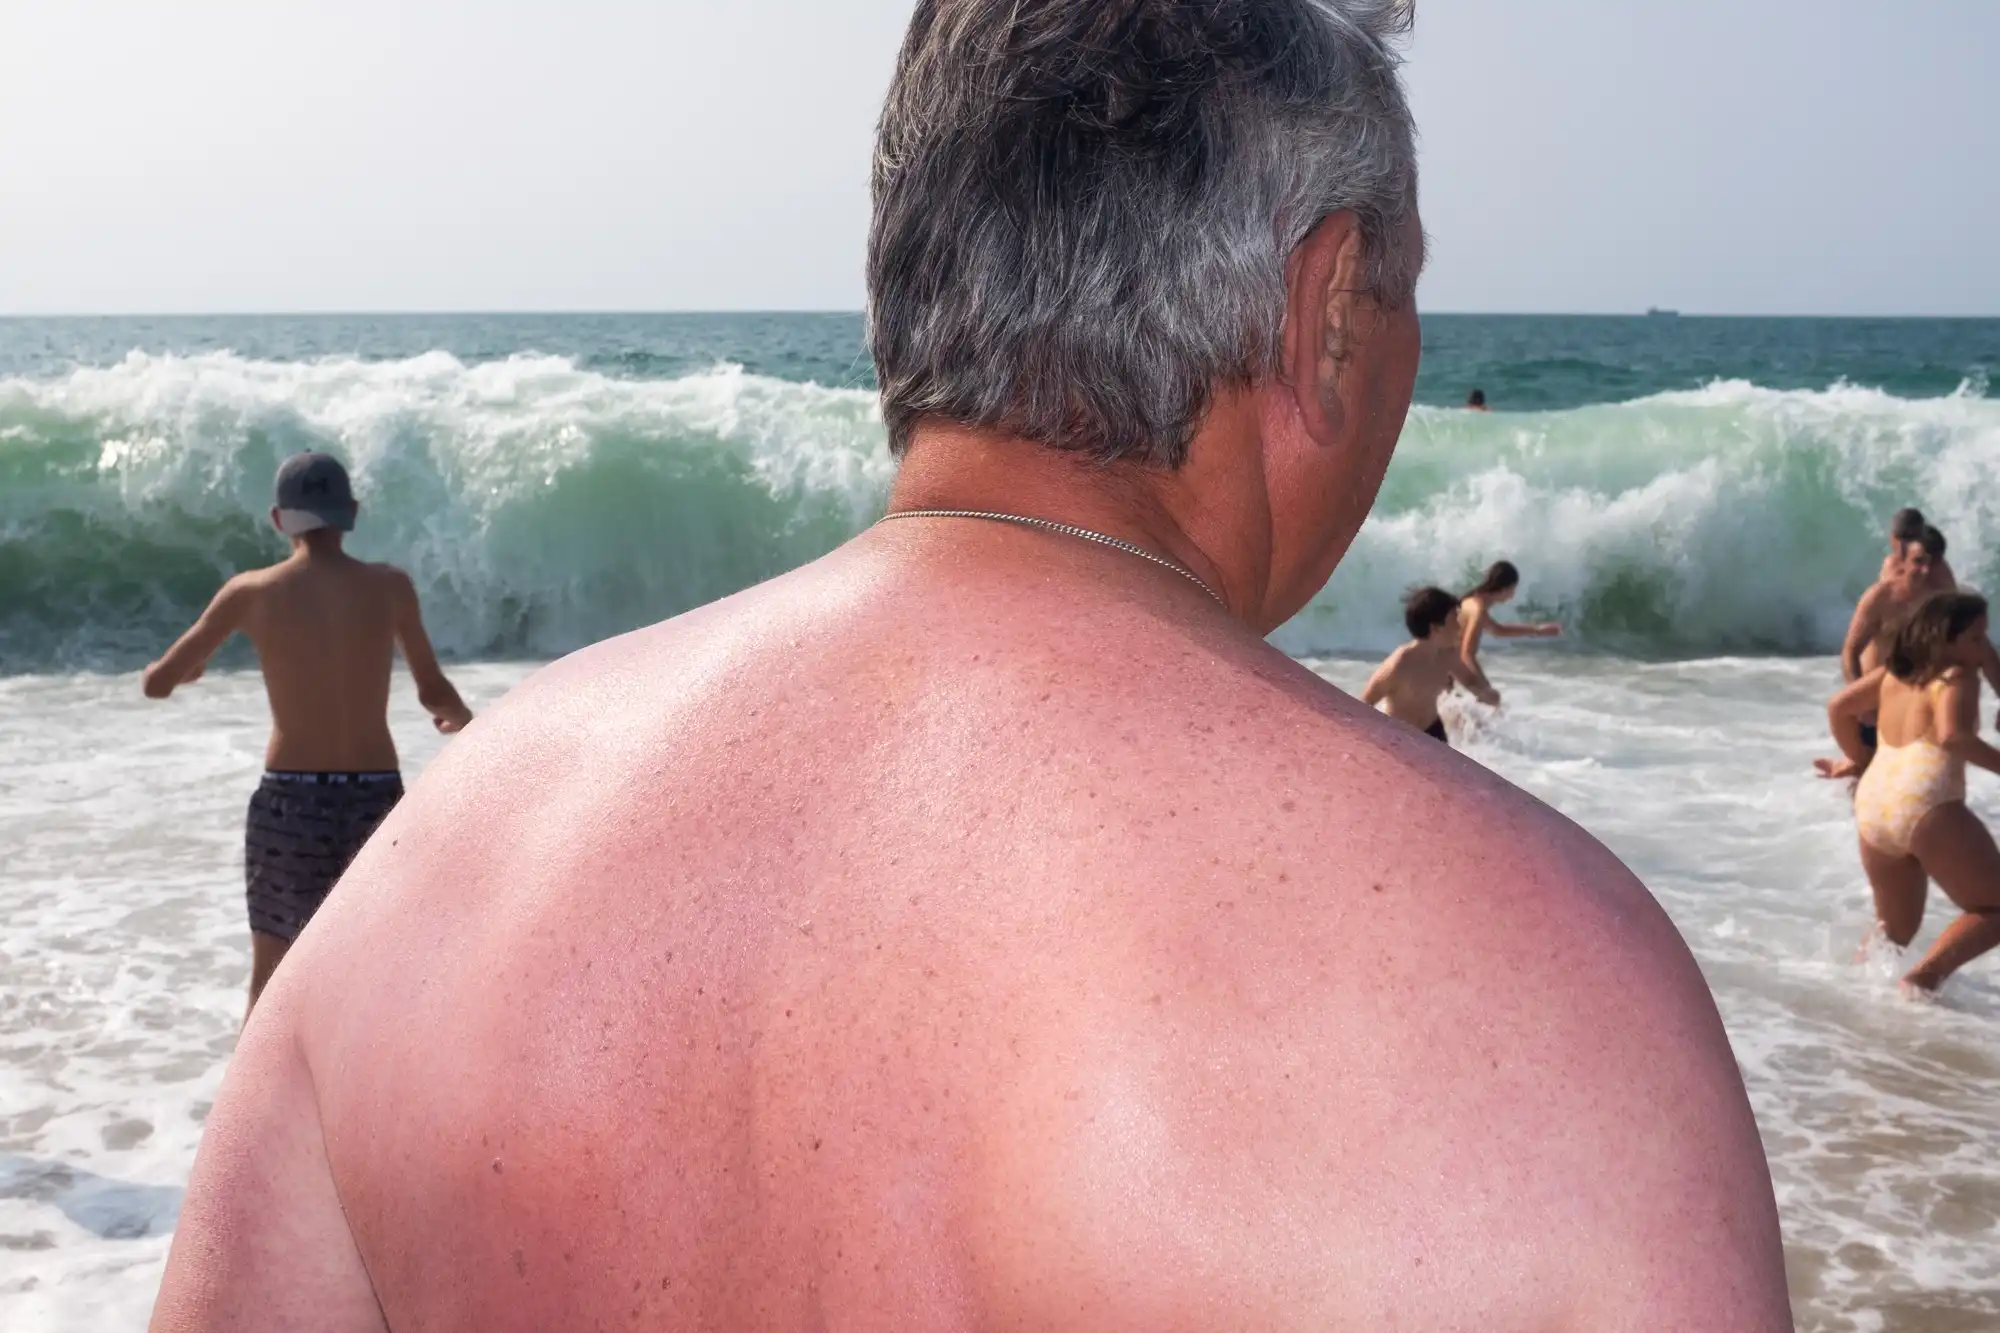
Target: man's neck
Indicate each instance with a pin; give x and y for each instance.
(1179, 515)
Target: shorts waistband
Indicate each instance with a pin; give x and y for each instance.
(331, 779)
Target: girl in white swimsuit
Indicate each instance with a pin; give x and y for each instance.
(1910, 804)
(1902, 785)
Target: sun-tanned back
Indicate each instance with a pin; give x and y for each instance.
(325, 634)
(915, 957)
(1910, 713)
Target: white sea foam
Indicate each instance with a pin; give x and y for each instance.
(1725, 519)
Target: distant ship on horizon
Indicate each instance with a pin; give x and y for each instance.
(1654, 312)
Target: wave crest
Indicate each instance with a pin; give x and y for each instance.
(540, 506)
(1730, 518)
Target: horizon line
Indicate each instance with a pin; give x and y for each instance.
(625, 312)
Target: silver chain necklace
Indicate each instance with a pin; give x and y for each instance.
(1067, 530)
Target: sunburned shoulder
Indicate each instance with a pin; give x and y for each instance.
(1453, 817)
(1421, 835)
(598, 704)
(1448, 1009)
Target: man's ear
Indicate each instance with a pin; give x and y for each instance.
(276, 526)
(1325, 292)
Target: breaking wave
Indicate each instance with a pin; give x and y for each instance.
(541, 506)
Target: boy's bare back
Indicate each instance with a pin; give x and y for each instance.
(326, 628)
(1409, 684)
(325, 633)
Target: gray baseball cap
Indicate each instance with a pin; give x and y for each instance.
(313, 492)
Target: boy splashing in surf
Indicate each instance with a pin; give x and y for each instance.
(1408, 685)
(326, 627)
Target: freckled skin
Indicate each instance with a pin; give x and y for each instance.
(979, 929)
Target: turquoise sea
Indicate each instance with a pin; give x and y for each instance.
(1672, 487)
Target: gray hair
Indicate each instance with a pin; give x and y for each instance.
(1084, 208)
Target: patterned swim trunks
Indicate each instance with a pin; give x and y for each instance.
(303, 830)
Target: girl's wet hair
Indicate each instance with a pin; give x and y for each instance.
(1499, 578)
(1917, 651)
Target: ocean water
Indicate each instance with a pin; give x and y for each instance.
(1699, 500)
(1672, 487)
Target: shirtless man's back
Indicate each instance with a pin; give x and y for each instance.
(326, 628)
(984, 927)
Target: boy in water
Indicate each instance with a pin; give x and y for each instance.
(1908, 578)
(325, 627)
(1408, 685)
(1915, 569)
(1908, 531)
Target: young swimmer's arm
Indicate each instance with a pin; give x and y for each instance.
(188, 658)
(1990, 667)
(437, 694)
(1860, 633)
(1377, 688)
(1478, 688)
(1958, 723)
(1843, 719)
(1547, 629)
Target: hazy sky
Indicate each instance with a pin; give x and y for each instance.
(1730, 156)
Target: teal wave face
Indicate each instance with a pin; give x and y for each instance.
(1733, 519)
(541, 505)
